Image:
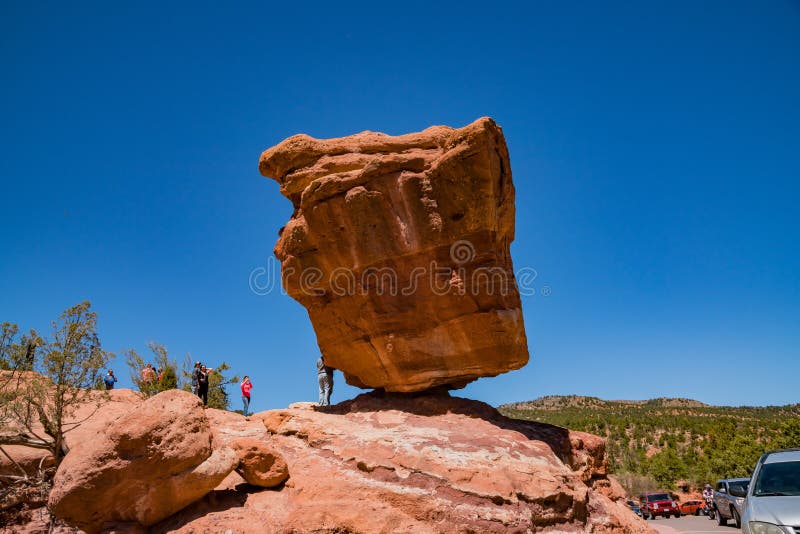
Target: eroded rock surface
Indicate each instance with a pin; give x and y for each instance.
(141, 468)
(424, 464)
(376, 464)
(399, 249)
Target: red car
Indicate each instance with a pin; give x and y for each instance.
(693, 507)
(658, 504)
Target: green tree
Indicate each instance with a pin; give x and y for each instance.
(17, 355)
(789, 435)
(217, 395)
(151, 383)
(37, 405)
(666, 467)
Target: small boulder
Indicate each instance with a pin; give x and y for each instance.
(259, 464)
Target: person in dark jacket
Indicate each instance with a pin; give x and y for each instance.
(202, 384)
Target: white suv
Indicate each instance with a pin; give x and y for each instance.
(773, 499)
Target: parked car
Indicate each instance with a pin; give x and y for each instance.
(693, 507)
(635, 508)
(773, 499)
(729, 500)
(658, 504)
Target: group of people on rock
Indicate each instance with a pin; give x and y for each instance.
(200, 375)
(152, 374)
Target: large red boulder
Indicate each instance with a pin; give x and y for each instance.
(144, 467)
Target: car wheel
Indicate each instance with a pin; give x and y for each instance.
(736, 519)
(678, 514)
(721, 521)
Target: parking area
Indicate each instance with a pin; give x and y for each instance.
(690, 525)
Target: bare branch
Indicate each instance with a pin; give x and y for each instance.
(22, 439)
(13, 461)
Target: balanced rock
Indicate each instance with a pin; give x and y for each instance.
(399, 249)
(146, 466)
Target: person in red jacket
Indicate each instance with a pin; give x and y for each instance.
(246, 387)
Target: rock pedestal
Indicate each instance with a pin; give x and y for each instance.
(399, 249)
(430, 464)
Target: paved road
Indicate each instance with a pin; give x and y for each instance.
(690, 525)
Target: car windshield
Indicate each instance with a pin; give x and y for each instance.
(657, 497)
(740, 486)
(778, 479)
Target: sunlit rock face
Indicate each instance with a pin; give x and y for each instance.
(398, 247)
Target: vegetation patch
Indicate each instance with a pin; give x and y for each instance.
(671, 443)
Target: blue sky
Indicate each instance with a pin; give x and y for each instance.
(655, 148)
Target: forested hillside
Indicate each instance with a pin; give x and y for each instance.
(662, 442)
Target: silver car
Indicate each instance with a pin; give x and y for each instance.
(773, 499)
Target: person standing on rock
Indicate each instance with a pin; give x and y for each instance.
(325, 379)
(202, 384)
(246, 386)
(110, 379)
(195, 377)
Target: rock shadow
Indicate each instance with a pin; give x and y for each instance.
(215, 501)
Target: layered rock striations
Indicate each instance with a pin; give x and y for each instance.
(376, 464)
(423, 464)
(399, 249)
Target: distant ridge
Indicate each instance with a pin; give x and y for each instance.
(664, 443)
(554, 402)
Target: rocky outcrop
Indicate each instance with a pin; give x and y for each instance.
(144, 467)
(379, 463)
(423, 464)
(399, 249)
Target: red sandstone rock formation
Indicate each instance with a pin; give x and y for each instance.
(144, 467)
(392, 463)
(399, 249)
(426, 464)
